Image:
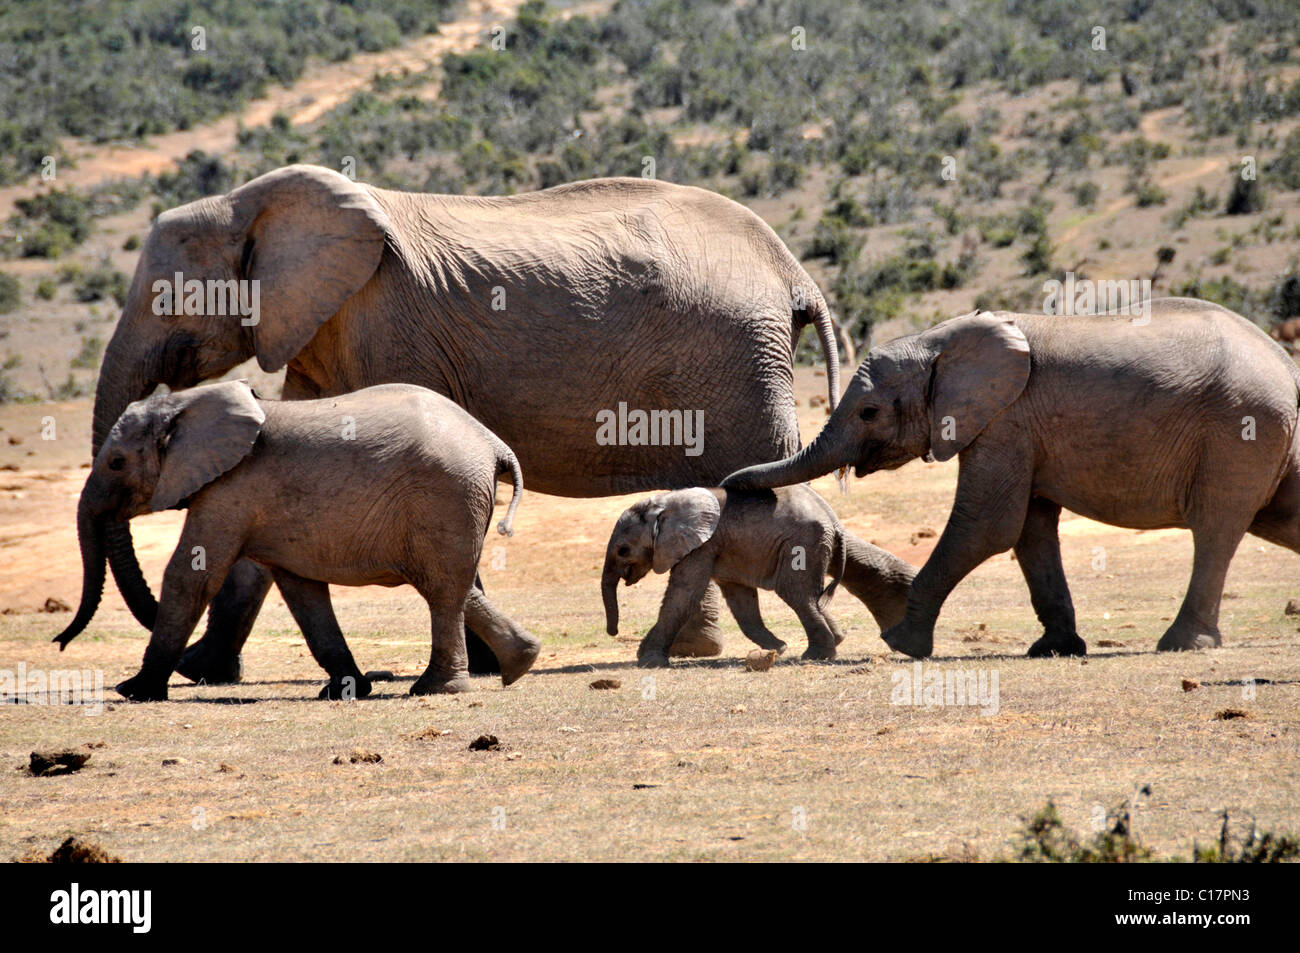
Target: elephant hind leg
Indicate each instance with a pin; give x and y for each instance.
(1197, 624)
(1279, 521)
(743, 602)
(448, 669)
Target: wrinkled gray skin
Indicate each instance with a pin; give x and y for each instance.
(1142, 426)
(745, 542)
(388, 486)
(533, 312)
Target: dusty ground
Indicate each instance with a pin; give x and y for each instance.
(706, 761)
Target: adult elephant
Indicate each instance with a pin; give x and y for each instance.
(544, 315)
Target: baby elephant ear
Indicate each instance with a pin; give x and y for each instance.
(686, 522)
(209, 431)
(980, 366)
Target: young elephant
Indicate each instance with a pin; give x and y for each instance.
(787, 540)
(1185, 416)
(386, 486)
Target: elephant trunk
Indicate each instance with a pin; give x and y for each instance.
(121, 381)
(90, 533)
(824, 454)
(609, 592)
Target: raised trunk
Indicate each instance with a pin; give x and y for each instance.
(90, 533)
(609, 592)
(820, 457)
(123, 379)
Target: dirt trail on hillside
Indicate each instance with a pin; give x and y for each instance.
(322, 87)
(1150, 127)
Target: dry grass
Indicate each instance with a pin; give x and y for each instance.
(717, 764)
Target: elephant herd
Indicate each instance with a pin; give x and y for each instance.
(434, 343)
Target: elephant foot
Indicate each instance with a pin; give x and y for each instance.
(205, 665)
(818, 653)
(652, 657)
(482, 660)
(428, 684)
(518, 659)
(143, 688)
(1050, 645)
(916, 642)
(1188, 640)
(700, 642)
(348, 688)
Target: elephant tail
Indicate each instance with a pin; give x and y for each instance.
(839, 561)
(818, 313)
(507, 462)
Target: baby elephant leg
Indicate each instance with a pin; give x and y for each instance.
(309, 601)
(743, 602)
(515, 648)
(700, 635)
(688, 583)
(879, 579)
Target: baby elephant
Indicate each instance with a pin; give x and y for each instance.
(787, 540)
(385, 486)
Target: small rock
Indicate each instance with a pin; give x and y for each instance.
(738, 709)
(169, 762)
(816, 400)
(884, 729)
(360, 756)
(760, 660)
(1191, 684)
(1109, 644)
(224, 768)
(605, 684)
(77, 851)
(56, 605)
(485, 743)
(1292, 607)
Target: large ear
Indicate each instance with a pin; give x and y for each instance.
(981, 364)
(209, 430)
(686, 522)
(315, 238)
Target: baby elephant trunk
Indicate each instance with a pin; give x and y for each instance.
(90, 533)
(609, 591)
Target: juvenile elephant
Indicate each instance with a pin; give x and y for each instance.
(787, 540)
(386, 486)
(1184, 417)
(541, 314)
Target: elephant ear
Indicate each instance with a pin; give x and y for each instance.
(981, 365)
(685, 523)
(314, 238)
(209, 430)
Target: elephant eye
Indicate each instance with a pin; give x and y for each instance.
(870, 413)
(117, 463)
(623, 551)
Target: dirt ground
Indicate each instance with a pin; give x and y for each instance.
(704, 761)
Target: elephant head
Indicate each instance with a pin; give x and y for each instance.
(929, 394)
(656, 533)
(159, 453)
(298, 242)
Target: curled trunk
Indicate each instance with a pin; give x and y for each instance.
(90, 533)
(820, 457)
(609, 592)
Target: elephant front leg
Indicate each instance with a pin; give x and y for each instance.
(743, 602)
(988, 514)
(688, 584)
(186, 592)
(1038, 551)
(309, 602)
(215, 658)
(701, 635)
